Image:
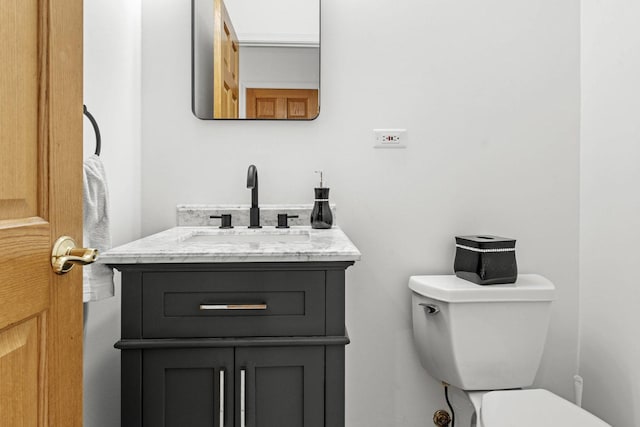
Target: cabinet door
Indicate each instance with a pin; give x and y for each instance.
(188, 387)
(279, 387)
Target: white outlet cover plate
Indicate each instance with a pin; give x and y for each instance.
(390, 138)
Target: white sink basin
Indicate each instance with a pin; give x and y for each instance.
(248, 236)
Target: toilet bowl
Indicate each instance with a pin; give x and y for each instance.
(518, 408)
(487, 343)
(532, 408)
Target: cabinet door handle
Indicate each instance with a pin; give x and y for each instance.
(247, 396)
(222, 420)
(243, 397)
(233, 306)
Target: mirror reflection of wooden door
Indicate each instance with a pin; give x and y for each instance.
(40, 199)
(226, 60)
(292, 104)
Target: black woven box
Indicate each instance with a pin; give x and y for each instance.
(486, 260)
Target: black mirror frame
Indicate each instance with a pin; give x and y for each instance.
(193, 99)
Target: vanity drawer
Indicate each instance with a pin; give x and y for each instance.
(233, 304)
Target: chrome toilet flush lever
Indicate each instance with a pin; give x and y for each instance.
(430, 309)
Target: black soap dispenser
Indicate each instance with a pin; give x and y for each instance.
(321, 216)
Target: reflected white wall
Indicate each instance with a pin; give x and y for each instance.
(275, 20)
(203, 58)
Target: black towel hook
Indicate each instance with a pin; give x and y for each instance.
(95, 128)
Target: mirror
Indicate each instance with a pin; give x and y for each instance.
(256, 59)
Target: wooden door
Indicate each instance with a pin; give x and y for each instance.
(292, 104)
(226, 63)
(40, 199)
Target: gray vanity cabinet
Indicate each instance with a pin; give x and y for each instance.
(187, 387)
(211, 387)
(276, 359)
(284, 387)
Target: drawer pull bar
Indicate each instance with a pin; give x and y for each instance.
(233, 306)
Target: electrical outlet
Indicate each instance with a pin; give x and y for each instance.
(390, 138)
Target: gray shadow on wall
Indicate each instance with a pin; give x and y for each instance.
(607, 393)
(102, 363)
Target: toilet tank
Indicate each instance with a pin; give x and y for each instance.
(481, 337)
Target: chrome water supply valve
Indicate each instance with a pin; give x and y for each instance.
(441, 418)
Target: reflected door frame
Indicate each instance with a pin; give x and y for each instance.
(271, 85)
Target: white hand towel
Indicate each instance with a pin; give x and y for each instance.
(97, 278)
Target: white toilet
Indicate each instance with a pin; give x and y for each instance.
(487, 342)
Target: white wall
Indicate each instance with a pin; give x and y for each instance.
(112, 94)
(489, 92)
(610, 203)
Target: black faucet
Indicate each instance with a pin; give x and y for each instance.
(252, 183)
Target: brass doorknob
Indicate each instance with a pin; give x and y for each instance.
(65, 255)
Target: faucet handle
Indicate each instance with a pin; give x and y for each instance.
(225, 220)
(283, 220)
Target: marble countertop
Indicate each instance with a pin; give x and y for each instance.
(241, 244)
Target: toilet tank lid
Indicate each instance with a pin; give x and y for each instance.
(450, 288)
(533, 408)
